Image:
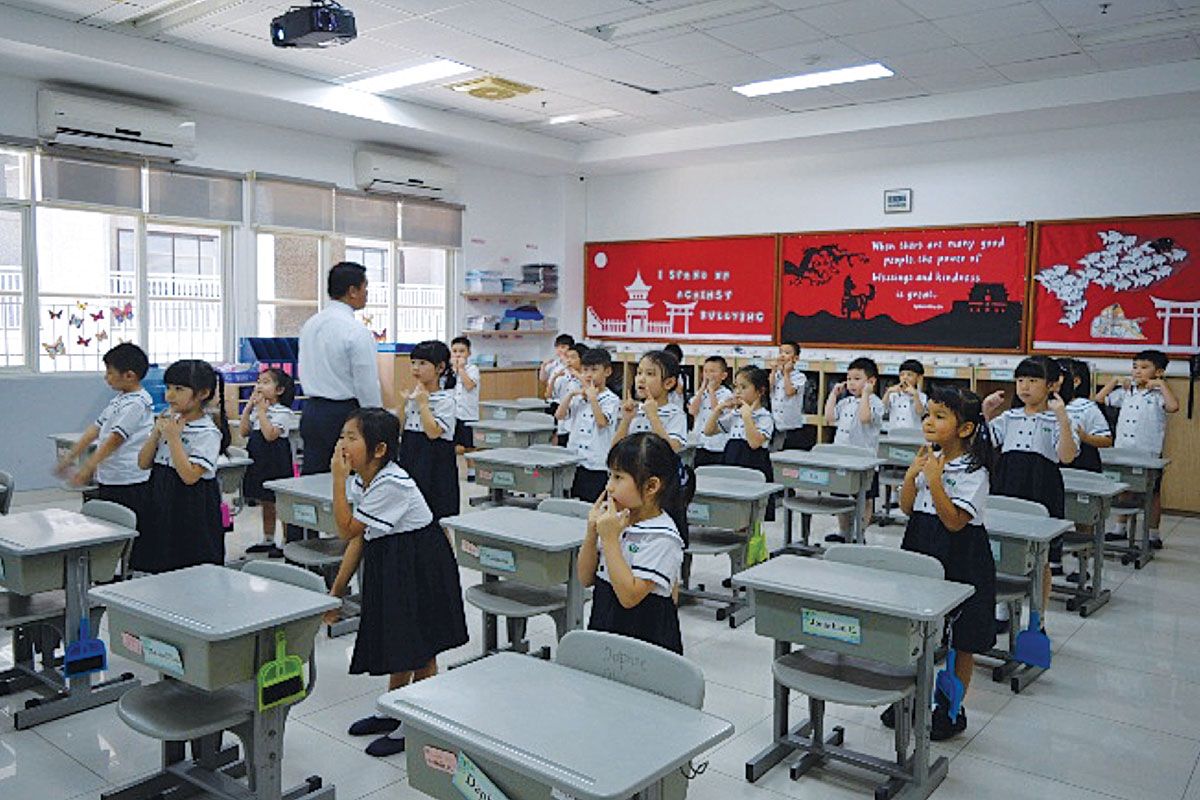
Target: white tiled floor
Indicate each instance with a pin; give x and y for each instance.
(1118, 716)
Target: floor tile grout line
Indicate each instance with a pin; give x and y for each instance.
(1172, 734)
(1192, 778)
(1049, 778)
(99, 777)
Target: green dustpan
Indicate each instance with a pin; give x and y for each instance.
(281, 680)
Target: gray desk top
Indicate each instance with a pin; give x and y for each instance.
(522, 457)
(553, 533)
(906, 436)
(32, 533)
(893, 594)
(213, 603)
(709, 488)
(1131, 459)
(1095, 485)
(484, 708)
(822, 460)
(1027, 527)
(317, 488)
(514, 425)
(521, 404)
(222, 461)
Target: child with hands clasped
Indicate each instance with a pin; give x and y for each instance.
(591, 416)
(657, 376)
(411, 597)
(749, 425)
(633, 551)
(266, 421)
(466, 393)
(183, 514)
(568, 382)
(713, 392)
(787, 397)
(427, 444)
(857, 412)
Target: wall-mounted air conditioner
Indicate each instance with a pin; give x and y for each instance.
(65, 119)
(382, 172)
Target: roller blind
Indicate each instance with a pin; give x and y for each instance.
(76, 180)
(430, 224)
(195, 195)
(366, 215)
(292, 204)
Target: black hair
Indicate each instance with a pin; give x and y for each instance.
(1042, 367)
(464, 341)
(792, 344)
(128, 357)
(1156, 357)
(760, 379)
(1066, 390)
(718, 360)
(646, 455)
(564, 338)
(967, 407)
(285, 382)
(1083, 373)
(580, 348)
(668, 365)
(200, 377)
(912, 365)
(595, 357)
(674, 350)
(865, 364)
(378, 426)
(437, 353)
(343, 276)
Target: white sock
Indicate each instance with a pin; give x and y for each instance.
(398, 733)
(1002, 611)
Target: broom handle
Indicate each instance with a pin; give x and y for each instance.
(280, 645)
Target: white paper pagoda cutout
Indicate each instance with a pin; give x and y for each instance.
(637, 315)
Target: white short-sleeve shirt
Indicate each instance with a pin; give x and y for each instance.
(788, 412)
(1086, 414)
(130, 415)
(441, 404)
(201, 441)
(1142, 423)
(675, 398)
(968, 489)
(392, 503)
(902, 411)
(732, 422)
(466, 401)
(1037, 433)
(653, 549)
(673, 417)
(716, 442)
(564, 384)
(279, 415)
(850, 430)
(589, 441)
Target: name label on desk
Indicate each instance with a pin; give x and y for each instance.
(504, 479)
(1083, 499)
(697, 512)
(472, 783)
(995, 550)
(304, 514)
(162, 656)
(441, 760)
(1115, 476)
(828, 625)
(493, 438)
(495, 558)
(900, 454)
(500, 413)
(945, 372)
(818, 476)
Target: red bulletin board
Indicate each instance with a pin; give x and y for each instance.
(1113, 285)
(697, 290)
(960, 288)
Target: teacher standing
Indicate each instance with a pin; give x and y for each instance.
(338, 370)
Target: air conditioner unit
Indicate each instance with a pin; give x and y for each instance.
(381, 172)
(65, 119)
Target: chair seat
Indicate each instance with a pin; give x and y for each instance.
(511, 599)
(19, 609)
(322, 552)
(173, 711)
(1009, 588)
(1077, 542)
(818, 504)
(712, 541)
(842, 679)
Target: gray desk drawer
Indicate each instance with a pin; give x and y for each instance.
(712, 512)
(528, 565)
(28, 575)
(1013, 556)
(530, 480)
(485, 438)
(1083, 508)
(297, 511)
(821, 479)
(1138, 478)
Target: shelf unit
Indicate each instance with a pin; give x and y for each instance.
(505, 297)
(506, 334)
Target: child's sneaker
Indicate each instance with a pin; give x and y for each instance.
(835, 538)
(261, 547)
(942, 728)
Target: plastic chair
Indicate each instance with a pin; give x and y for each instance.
(1016, 505)
(565, 506)
(1127, 511)
(810, 504)
(7, 487)
(535, 416)
(709, 541)
(118, 515)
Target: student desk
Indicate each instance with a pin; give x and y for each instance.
(507, 409)
(512, 432)
(729, 505)
(213, 628)
(1141, 472)
(828, 473)
(1089, 499)
(511, 469)
(534, 548)
(542, 730)
(1021, 547)
(898, 449)
(307, 502)
(892, 617)
(41, 551)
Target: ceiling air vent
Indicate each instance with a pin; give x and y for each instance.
(491, 87)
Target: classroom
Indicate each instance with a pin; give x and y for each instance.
(716, 399)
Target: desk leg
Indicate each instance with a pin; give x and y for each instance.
(574, 595)
(858, 530)
(779, 749)
(1098, 595)
(1025, 674)
(1147, 552)
(491, 636)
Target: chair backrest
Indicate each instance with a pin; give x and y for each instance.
(534, 416)
(7, 487)
(730, 473)
(1016, 505)
(285, 573)
(237, 452)
(565, 507)
(889, 558)
(547, 448)
(634, 663)
(844, 449)
(110, 512)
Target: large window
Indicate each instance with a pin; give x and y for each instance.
(421, 293)
(184, 267)
(12, 287)
(376, 257)
(288, 267)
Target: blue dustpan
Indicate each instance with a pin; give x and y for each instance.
(949, 684)
(85, 655)
(1033, 646)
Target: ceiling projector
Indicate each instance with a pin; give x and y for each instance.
(324, 23)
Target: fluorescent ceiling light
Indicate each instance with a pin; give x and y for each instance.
(688, 15)
(812, 80)
(172, 14)
(1176, 24)
(584, 116)
(422, 73)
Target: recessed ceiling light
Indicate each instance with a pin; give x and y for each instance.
(410, 76)
(583, 116)
(812, 80)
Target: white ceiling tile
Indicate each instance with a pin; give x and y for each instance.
(571, 10)
(627, 126)
(550, 104)
(722, 102)
(1045, 68)
(117, 12)
(1142, 54)
(858, 16)
(634, 68)
(880, 90)
(935, 9)
(737, 70)
(557, 43)
(74, 10)
(252, 20)
(419, 6)
(310, 63)
(931, 61)
(766, 33)
(961, 80)
(574, 132)
(549, 75)
(488, 18)
(674, 115)
(219, 40)
(1023, 48)
(690, 48)
(1083, 14)
(998, 23)
(377, 55)
(807, 100)
(799, 5)
(369, 15)
(813, 57)
(914, 38)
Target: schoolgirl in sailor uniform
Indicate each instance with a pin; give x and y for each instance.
(1087, 419)
(657, 376)
(427, 444)
(411, 607)
(633, 551)
(184, 509)
(268, 411)
(749, 425)
(591, 413)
